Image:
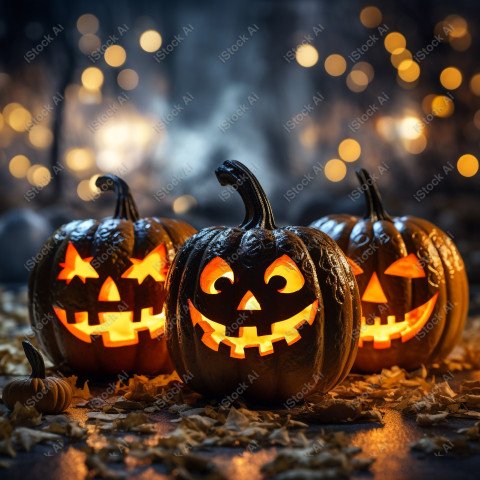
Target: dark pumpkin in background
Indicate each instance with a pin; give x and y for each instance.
(412, 281)
(97, 295)
(270, 311)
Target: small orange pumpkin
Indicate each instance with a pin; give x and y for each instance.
(47, 394)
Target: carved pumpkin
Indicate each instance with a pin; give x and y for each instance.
(412, 282)
(97, 295)
(272, 310)
(47, 394)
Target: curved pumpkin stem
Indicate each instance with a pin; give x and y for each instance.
(258, 211)
(125, 208)
(375, 210)
(35, 360)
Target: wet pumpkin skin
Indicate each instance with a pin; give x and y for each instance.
(375, 242)
(49, 395)
(323, 355)
(112, 242)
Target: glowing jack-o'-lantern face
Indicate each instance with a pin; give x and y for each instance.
(115, 319)
(281, 277)
(412, 283)
(380, 325)
(96, 296)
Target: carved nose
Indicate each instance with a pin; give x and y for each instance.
(374, 292)
(109, 291)
(249, 302)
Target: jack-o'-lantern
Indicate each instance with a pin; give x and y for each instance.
(270, 309)
(411, 279)
(97, 294)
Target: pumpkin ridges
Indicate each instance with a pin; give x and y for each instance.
(456, 281)
(351, 316)
(46, 394)
(182, 268)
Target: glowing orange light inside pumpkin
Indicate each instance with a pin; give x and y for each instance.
(76, 266)
(249, 302)
(408, 266)
(117, 329)
(374, 292)
(109, 291)
(154, 264)
(214, 333)
(286, 268)
(213, 271)
(356, 269)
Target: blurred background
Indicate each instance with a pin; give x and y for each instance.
(303, 92)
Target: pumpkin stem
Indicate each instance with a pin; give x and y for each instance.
(375, 210)
(35, 360)
(258, 211)
(125, 208)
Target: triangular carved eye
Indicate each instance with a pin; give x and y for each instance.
(409, 267)
(154, 264)
(356, 269)
(76, 266)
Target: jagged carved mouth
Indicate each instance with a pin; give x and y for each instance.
(117, 329)
(215, 333)
(405, 329)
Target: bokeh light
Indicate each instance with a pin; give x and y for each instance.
(79, 159)
(115, 56)
(442, 106)
(349, 150)
(92, 78)
(128, 79)
(467, 165)
(370, 16)
(40, 136)
(306, 55)
(395, 42)
(357, 81)
(150, 41)
(408, 71)
(39, 176)
(335, 170)
(19, 165)
(451, 78)
(87, 23)
(335, 65)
